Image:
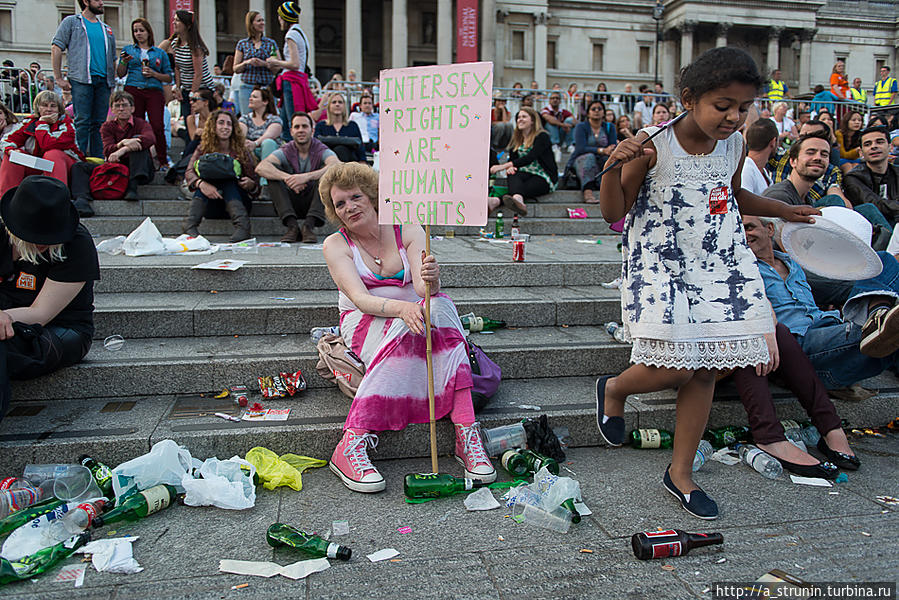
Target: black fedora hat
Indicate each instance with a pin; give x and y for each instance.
(40, 210)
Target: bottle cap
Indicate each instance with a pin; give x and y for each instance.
(83, 457)
(344, 553)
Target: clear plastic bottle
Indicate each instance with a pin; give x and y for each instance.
(760, 460)
(793, 434)
(14, 500)
(73, 522)
(703, 454)
(557, 491)
(616, 331)
(528, 509)
(810, 434)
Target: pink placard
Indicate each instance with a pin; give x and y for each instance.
(435, 142)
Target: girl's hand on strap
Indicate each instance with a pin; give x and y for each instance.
(628, 150)
(762, 370)
(799, 214)
(412, 315)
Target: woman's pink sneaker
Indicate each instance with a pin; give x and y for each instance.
(350, 462)
(470, 452)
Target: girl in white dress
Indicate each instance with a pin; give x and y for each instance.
(692, 299)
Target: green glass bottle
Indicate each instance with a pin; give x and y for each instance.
(499, 230)
(139, 505)
(40, 561)
(474, 324)
(514, 463)
(727, 436)
(436, 485)
(19, 518)
(102, 474)
(279, 535)
(536, 461)
(569, 506)
(651, 438)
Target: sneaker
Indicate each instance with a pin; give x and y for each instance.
(880, 334)
(350, 462)
(470, 452)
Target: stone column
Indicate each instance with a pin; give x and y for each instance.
(805, 60)
(258, 6)
(444, 32)
(774, 48)
(499, 45)
(540, 49)
(352, 26)
(158, 18)
(721, 30)
(307, 24)
(488, 30)
(399, 37)
(686, 42)
(669, 64)
(208, 28)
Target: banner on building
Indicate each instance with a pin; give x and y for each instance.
(466, 31)
(178, 5)
(435, 140)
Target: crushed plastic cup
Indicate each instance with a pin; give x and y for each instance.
(114, 343)
(507, 437)
(76, 485)
(527, 509)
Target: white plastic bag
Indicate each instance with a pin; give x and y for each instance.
(224, 484)
(144, 241)
(185, 243)
(167, 462)
(29, 538)
(112, 245)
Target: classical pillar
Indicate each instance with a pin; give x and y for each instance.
(805, 59)
(158, 19)
(721, 30)
(540, 49)
(257, 5)
(307, 24)
(207, 26)
(399, 38)
(352, 25)
(669, 64)
(774, 48)
(686, 42)
(488, 30)
(499, 45)
(444, 32)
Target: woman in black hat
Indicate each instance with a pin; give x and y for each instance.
(48, 265)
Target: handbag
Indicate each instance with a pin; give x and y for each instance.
(109, 181)
(217, 166)
(339, 364)
(485, 376)
(333, 141)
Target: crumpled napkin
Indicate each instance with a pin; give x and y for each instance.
(481, 500)
(113, 555)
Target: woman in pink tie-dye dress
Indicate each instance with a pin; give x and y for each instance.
(381, 272)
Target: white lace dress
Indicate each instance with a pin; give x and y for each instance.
(691, 293)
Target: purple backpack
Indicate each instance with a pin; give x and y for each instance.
(485, 375)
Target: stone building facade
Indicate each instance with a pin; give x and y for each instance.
(548, 41)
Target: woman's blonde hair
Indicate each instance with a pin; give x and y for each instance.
(251, 16)
(209, 140)
(777, 106)
(47, 97)
(518, 138)
(346, 176)
(328, 108)
(29, 252)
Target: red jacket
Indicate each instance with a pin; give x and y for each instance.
(36, 137)
(112, 134)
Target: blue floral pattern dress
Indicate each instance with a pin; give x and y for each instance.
(691, 293)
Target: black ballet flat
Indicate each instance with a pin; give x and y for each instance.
(824, 470)
(840, 459)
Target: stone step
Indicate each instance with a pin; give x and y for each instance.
(464, 262)
(172, 226)
(114, 430)
(162, 366)
(186, 314)
(166, 202)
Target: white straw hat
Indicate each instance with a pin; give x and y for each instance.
(836, 246)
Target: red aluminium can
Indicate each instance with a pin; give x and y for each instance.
(518, 251)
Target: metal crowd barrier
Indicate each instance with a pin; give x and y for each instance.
(16, 97)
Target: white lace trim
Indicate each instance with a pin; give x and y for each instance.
(700, 354)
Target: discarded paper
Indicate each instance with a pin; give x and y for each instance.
(383, 554)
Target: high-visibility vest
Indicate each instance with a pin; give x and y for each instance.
(776, 90)
(882, 93)
(859, 95)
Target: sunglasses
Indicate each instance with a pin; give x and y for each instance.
(193, 98)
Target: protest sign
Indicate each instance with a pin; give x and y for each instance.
(435, 140)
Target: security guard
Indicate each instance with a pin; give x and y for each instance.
(777, 89)
(858, 94)
(885, 90)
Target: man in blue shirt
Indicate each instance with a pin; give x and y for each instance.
(824, 99)
(844, 350)
(90, 47)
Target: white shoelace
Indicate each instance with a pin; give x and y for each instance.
(474, 450)
(356, 453)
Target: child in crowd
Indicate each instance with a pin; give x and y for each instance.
(692, 299)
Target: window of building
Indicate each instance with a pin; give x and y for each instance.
(6, 26)
(518, 45)
(643, 64)
(111, 18)
(551, 54)
(598, 50)
(878, 64)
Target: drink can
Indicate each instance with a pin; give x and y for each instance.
(518, 251)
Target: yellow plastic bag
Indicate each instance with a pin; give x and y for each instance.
(286, 470)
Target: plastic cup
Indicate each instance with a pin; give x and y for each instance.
(114, 343)
(76, 485)
(558, 520)
(507, 437)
